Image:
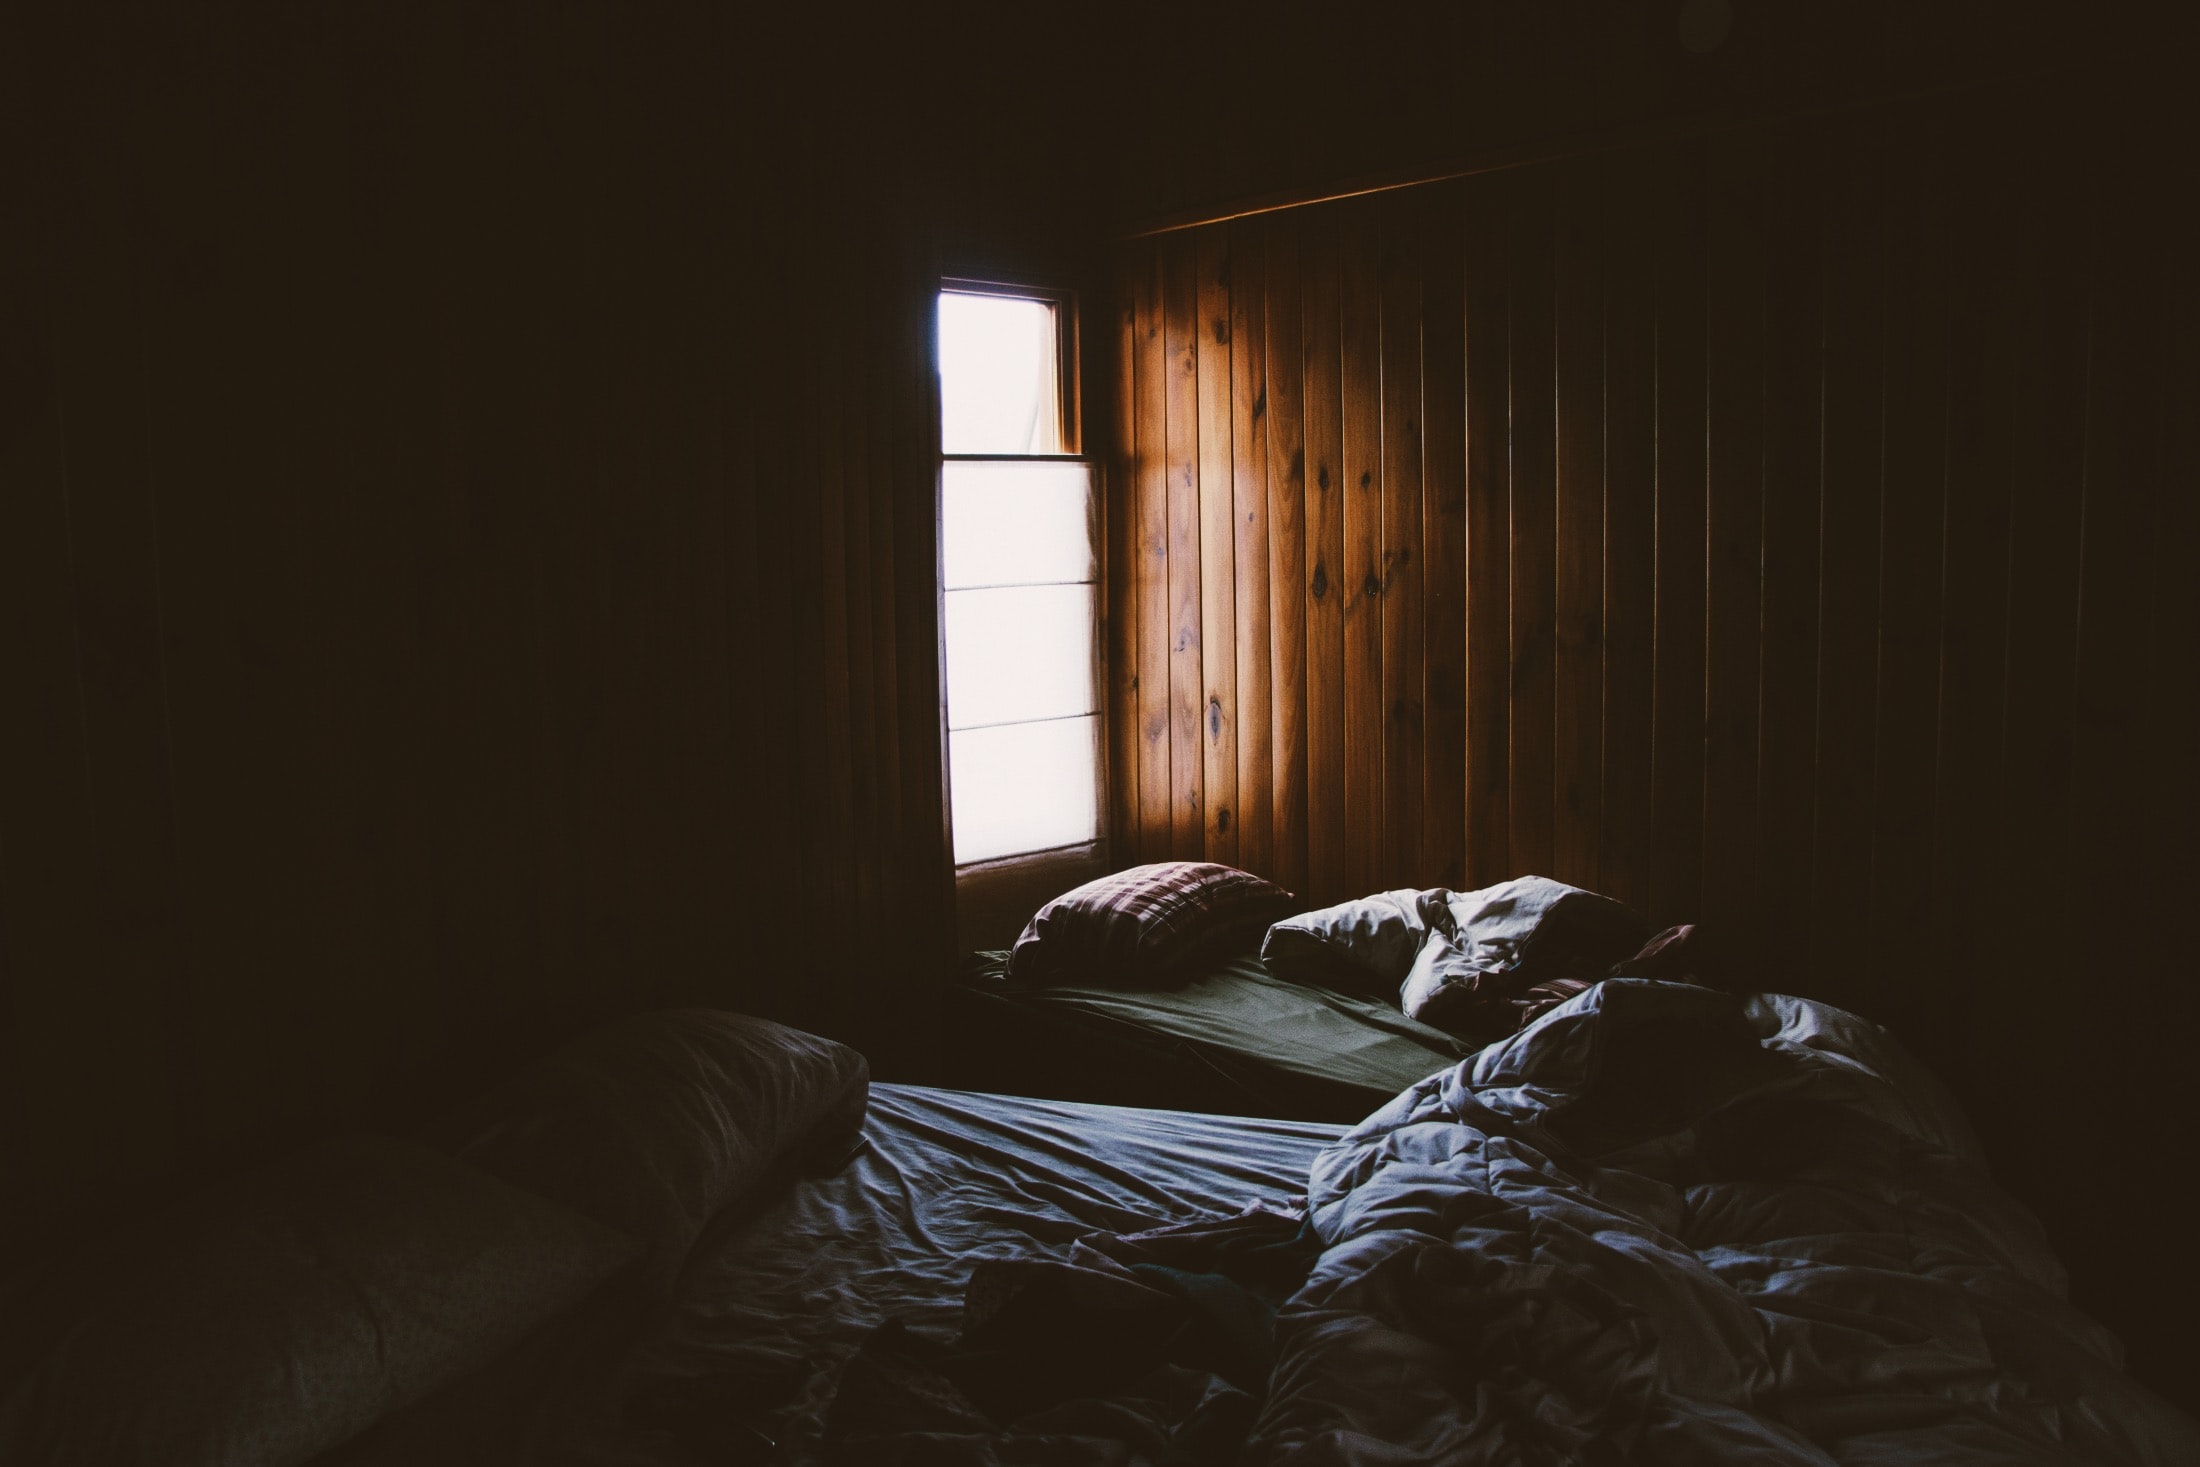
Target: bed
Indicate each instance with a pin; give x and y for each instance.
(1229, 1037)
(1661, 1224)
(775, 1312)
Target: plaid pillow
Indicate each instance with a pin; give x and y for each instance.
(1141, 924)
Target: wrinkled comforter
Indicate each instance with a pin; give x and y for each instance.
(1665, 1224)
(1662, 1224)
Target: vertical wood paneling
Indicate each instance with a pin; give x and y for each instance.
(1577, 731)
(1323, 406)
(1151, 581)
(1400, 557)
(1249, 525)
(1359, 582)
(1734, 277)
(1217, 564)
(1677, 735)
(1630, 528)
(1288, 562)
(1121, 589)
(1187, 685)
(1489, 545)
(1982, 334)
(1849, 523)
(1531, 485)
(1909, 616)
(1444, 538)
(1765, 529)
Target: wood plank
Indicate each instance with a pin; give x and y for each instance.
(1399, 550)
(1677, 752)
(2055, 303)
(1285, 376)
(1848, 555)
(1442, 231)
(1788, 660)
(1149, 578)
(2115, 798)
(1981, 335)
(1250, 524)
(1913, 518)
(1533, 494)
(1734, 411)
(1323, 406)
(1120, 582)
(1359, 341)
(1630, 527)
(1187, 684)
(1577, 729)
(1217, 551)
(1488, 206)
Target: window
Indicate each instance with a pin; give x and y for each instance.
(1020, 567)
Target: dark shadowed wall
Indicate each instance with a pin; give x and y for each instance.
(467, 554)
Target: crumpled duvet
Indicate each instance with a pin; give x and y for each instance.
(1666, 1224)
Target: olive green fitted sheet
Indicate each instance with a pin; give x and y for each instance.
(1244, 1020)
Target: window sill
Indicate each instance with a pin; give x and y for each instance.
(994, 899)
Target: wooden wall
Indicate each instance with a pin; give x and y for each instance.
(1785, 528)
(466, 564)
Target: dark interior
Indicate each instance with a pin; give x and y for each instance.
(469, 542)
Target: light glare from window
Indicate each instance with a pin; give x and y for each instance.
(1024, 787)
(998, 370)
(1020, 599)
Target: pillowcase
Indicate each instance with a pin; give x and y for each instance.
(1146, 923)
(657, 1123)
(1510, 952)
(268, 1321)
(1363, 946)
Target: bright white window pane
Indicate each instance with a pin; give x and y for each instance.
(1016, 524)
(1020, 653)
(997, 375)
(1024, 787)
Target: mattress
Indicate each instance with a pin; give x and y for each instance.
(773, 1310)
(1234, 1036)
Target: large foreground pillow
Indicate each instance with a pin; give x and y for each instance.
(657, 1123)
(1146, 924)
(263, 1323)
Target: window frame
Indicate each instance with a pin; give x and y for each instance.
(1020, 881)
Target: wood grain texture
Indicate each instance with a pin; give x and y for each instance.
(1486, 261)
(1180, 326)
(1677, 735)
(1218, 563)
(1252, 643)
(1577, 730)
(1149, 573)
(1532, 500)
(1441, 233)
(1360, 573)
(1399, 553)
(1284, 373)
(1323, 408)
